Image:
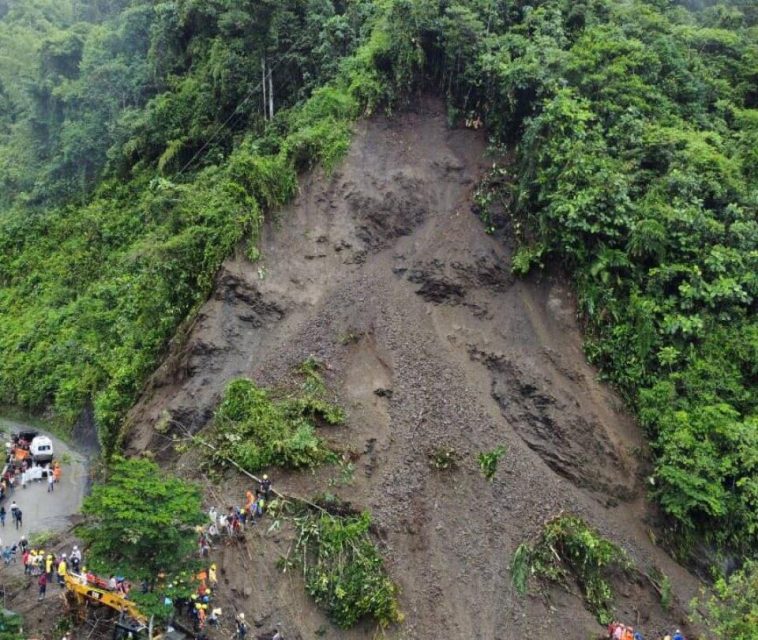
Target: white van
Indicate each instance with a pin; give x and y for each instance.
(41, 449)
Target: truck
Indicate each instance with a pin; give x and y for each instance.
(41, 449)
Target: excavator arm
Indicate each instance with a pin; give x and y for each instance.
(85, 592)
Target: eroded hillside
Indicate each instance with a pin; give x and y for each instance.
(383, 273)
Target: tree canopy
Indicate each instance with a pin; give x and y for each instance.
(140, 521)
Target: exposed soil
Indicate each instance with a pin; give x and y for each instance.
(383, 272)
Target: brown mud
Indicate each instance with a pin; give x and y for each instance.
(382, 271)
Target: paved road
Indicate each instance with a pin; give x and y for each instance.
(43, 511)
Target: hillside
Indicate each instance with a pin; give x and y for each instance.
(383, 273)
(445, 227)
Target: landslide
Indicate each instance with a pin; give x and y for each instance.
(382, 271)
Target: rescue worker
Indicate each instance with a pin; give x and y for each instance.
(212, 577)
(201, 615)
(49, 566)
(76, 558)
(264, 488)
(62, 569)
(42, 582)
(213, 618)
(241, 626)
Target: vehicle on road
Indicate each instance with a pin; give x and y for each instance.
(41, 449)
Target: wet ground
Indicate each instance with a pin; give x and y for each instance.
(383, 272)
(45, 512)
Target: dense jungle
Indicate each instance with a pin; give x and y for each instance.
(474, 281)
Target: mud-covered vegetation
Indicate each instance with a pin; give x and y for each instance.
(342, 568)
(256, 430)
(568, 549)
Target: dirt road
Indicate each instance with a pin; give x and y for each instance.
(43, 511)
(383, 272)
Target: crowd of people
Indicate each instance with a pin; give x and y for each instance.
(20, 468)
(48, 566)
(199, 606)
(619, 631)
(232, 523)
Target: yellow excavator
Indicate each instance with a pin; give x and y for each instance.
(132, 623)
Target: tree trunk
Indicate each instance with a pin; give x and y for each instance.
(270, 95)
(263, 84)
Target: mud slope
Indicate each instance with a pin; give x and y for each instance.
(383, 272)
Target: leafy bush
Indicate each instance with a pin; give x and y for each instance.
(488, 461)
(567, 548)
(256, 430)
(730, 612)
(343, 570)
(11, 626)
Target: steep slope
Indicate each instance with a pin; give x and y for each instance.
(382, 271)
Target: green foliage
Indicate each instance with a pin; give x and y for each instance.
(343, 570)
(635, 131)
(141, 521)
(134, 156)
(256, 430)
(730, 612)
(137, 158)
(525, 258)
(567, 548)
(11, 626)
(488, 461)
(444, 458)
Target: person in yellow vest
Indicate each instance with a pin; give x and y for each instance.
(49, 567)
(212, 578)
(62, 566)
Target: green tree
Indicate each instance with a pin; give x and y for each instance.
(731, 611)
(10, 626)
(141, 520)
